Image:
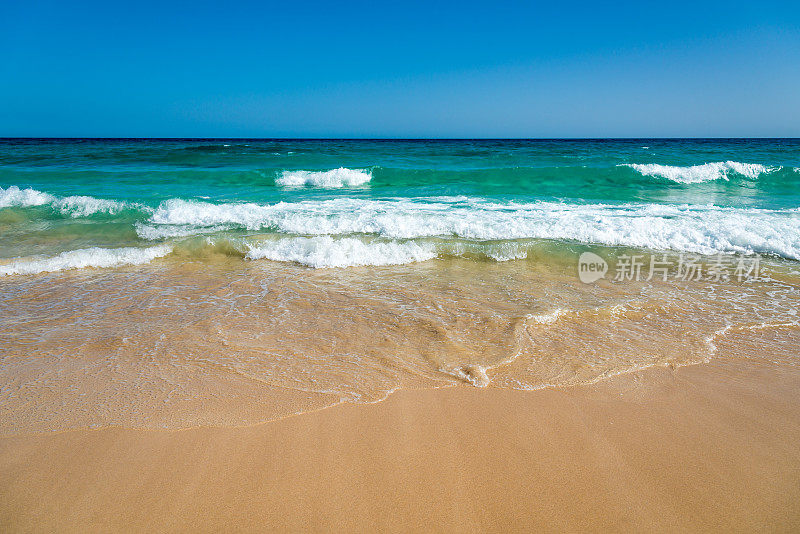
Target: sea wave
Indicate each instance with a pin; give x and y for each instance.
(154, 233)
(13, 196)
(334, 178)
(83, 206)
(700, 173)
(73, 206)
(689, 228)
(324, 251)
(82, 258)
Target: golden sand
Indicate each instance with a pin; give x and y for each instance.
(217, 395)
(712, 447)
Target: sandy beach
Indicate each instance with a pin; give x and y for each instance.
(700, 448)
(359, 267)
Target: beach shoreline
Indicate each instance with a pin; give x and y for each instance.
(703, 447)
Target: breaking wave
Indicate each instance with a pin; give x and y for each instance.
(82, 258)
(324, 251)
(14, 196)
(73, 206)
(335, 178)
(700, 173)
(689, 228)
(83, 206)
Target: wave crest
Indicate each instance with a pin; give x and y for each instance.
(83, 206)
(698, 229)
(700, 173)
(324, 251)
(87, 257)
(334, 178)
(14, 196)
(73, 206)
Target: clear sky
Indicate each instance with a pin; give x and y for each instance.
(399, 69)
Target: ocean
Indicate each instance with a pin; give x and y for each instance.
(171, 283)
(340, 203)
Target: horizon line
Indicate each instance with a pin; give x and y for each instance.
(182, 138)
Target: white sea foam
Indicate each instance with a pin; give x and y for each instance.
(324, 251)
(700, 173)
(687, 228)
(75, 206)
(335, 178)
(83, 206)
(548, 318)
(477, 375)
(14, 196)
(82, 258)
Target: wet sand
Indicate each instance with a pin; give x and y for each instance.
(706, 447)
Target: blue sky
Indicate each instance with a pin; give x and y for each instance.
(400, 69)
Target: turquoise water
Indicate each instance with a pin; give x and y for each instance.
(329, 203)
